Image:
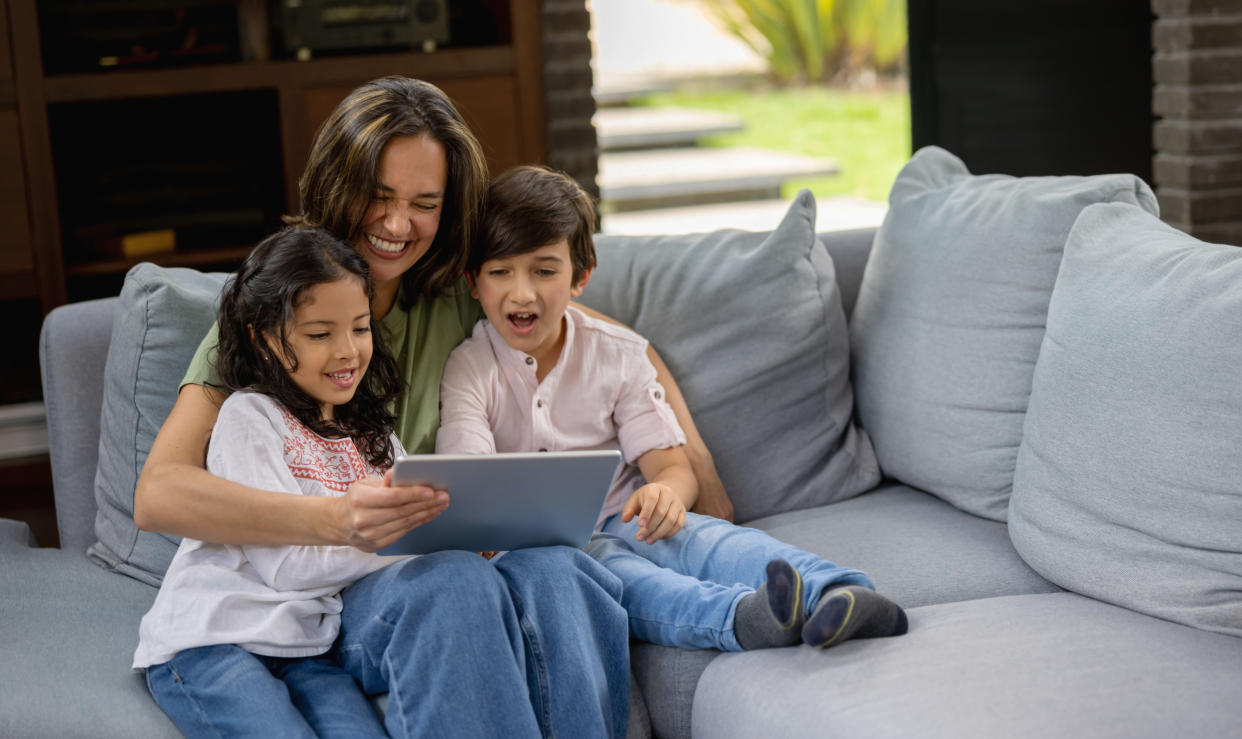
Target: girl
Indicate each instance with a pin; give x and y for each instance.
(243, 639)
(311, 416)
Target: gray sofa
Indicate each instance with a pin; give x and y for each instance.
(1016, 406)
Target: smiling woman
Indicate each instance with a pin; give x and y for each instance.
(400, 224)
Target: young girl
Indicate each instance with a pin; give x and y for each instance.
(310, 416)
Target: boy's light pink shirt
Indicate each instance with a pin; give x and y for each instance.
(602, 394)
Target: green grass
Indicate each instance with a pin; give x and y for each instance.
(866, 132)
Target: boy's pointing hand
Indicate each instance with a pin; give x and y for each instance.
(660, 512)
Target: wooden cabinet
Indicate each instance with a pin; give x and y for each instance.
(212, 152)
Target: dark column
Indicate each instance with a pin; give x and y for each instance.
(1198, 95)
(572, 144)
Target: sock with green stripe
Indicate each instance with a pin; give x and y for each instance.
(853, 612)
(771, 616)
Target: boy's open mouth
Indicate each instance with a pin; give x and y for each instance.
(523, 322)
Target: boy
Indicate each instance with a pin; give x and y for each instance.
(538, 374)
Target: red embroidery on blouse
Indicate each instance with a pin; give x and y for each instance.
(333, 463)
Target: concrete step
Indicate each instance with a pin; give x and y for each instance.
(832, 214)
(635, 180)
(647, 128)
(622, 89)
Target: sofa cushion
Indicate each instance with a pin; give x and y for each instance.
(751, 325)
(1034, 666)
(162, 316)
(69, 631)
(959, 556)
(1127, 485)
(950, 316)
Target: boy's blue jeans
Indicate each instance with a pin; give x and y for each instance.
(533, 643)
(683, 591)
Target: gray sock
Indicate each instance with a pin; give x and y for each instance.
(853, 612)
(772, 615)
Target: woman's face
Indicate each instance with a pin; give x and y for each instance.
(401, 220)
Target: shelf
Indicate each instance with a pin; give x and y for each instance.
(131, 83)
(189, 258)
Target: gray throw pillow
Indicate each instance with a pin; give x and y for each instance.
(751, 326)
(163, 315)
(1129, 476)
(950, 315)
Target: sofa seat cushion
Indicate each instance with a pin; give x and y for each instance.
(950, 317)
(918, 549)
(1128, 478)
(69, 630)
(1032, 666)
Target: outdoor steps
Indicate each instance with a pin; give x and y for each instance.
(832, 214)
(649, 128)
(660, 178)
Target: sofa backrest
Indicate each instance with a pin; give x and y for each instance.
(73, 347)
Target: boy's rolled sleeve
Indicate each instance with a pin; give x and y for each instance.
(644, 419)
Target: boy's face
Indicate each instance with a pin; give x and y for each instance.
(525, 295)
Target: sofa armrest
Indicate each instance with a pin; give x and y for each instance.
(73, 349)
(16, 534)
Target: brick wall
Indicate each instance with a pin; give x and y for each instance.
(1197, 71)
(572, 144)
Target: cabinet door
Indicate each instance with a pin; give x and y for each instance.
(15, 255)
(488, 103)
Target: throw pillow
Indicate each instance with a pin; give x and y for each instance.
(950, 315)
(1129, 476)
(751, 326)
(163, 315)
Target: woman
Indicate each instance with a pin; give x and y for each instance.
(396, 172)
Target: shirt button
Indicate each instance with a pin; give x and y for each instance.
(539, 403)
(530, 360)
(657, 395)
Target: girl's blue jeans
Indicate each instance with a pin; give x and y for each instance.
(532, 643)
(682, 591)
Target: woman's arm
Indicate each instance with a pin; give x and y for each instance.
(712, 500)
(177, 495)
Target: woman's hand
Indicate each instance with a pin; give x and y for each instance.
(373, 513)
(660, 512)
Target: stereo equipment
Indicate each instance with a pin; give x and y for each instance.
(311, 26)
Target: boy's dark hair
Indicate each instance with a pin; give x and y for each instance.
(261, 300)
(528, 207)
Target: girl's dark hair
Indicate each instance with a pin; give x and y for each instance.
(342, 174)
(528, 207)
(261, 301)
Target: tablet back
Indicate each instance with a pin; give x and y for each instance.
(508, 501)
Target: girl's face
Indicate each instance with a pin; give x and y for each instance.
(330, 335)
(402, 218)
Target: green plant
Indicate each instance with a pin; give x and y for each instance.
(818, 40)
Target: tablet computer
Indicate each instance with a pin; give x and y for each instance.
(508, 501)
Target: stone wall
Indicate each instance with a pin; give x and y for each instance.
(1197, 71)
(572, 144)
